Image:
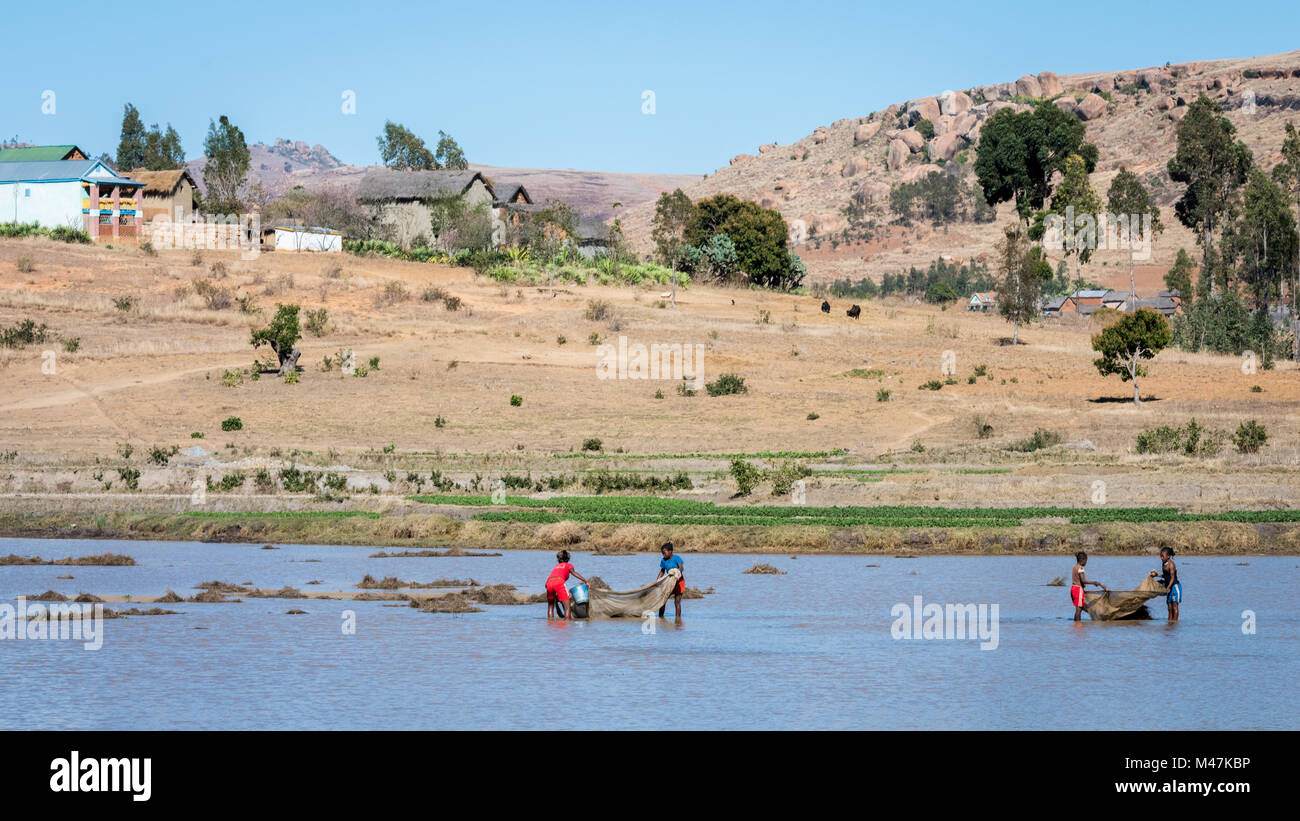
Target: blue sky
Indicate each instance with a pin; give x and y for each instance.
(559, 84)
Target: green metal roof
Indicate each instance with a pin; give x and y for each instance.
(36, 153)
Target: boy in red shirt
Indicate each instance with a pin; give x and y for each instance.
(556, 593)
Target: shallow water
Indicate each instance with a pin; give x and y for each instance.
(810, 649)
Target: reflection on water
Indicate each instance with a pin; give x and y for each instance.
(812, 648)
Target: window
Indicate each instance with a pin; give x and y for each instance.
(27, 192)
(105, 219)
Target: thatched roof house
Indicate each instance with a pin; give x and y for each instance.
(403, 198)
(167, 191)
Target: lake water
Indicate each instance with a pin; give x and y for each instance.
(810, 649)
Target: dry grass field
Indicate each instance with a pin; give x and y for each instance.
(151, 374)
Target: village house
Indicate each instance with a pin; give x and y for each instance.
(298, 238)
(405, 198)
(168, 194)
(82, 194)
(982, 301)
(42, 153)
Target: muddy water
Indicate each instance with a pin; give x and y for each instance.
(812, 648)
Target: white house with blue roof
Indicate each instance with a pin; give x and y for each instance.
(83, 194)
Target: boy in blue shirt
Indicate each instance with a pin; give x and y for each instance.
(669, 562)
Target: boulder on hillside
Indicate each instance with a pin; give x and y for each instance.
(1091, 107)
(945, 147)
(912, 139)
(855, 165)
(1177, 114)
(953, 103)
(1066, 104)
(1165, 103)
(943, 125)
(916, 172)
(818, 135)
(1028, 86)
(739, 158)
(897, 153)
(966, 125)
(926, 108)
(1123, 79)
(1050, 84)
(1151, 77)
(866, 131)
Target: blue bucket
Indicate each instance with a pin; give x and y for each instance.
(579, 593)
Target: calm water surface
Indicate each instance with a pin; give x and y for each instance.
(812, 648)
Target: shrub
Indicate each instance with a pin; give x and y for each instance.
(598, 310)
(983, 429)
(161, 456)
(593, 444)
(746, 475)
(147, 248)
(374, 363)
(71, 344)
(882, 395)
(516, 400)
(232, 423)
(24, 333)
(26, 264)
(1250, 437)
(932, 385)
(130, 477)
(433, 294)
(198, 435)
(439, 422)
(124, 303)
(1192, 439)
(317, 321)
(726, 384)
(451, 303)
(1040, 439)
(784, 477)
(814, 416)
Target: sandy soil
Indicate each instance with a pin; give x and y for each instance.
(152, 375)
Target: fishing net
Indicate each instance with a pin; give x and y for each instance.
(611, 604)
(1124, 604)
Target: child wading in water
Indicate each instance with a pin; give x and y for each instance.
(556, 593)
(1170, 580)
(1079, 580)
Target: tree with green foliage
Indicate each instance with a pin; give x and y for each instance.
(1263, 237)
(1129, 199)
(1076, 201)
(548, 232)
(1179, 277)
(1022, 274)
(672, 213)
(1287, 174)
(1214, 165)
(448, 154)
(226, 166)
(760, 236)
(399, 148)
(162, 150)
(281, 335)
(1125, 344)
(131, 146)
(1020, 152)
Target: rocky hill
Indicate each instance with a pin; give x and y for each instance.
(833, 185)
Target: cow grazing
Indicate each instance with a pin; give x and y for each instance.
(854, 312)
(826, 307)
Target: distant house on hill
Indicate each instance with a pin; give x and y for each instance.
(404, 198)
(510, 193)
(167, 193)
(82, 194)
(42, 153)
(593, 236)
(982, 301)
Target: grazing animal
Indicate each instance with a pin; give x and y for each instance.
(854, 312)
(826, 307)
